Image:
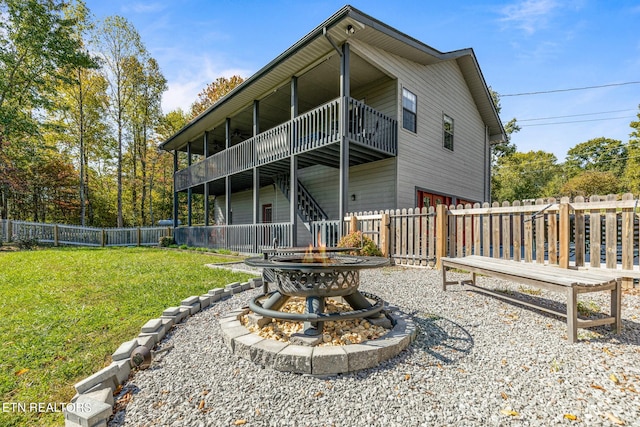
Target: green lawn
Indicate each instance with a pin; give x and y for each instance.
(65, 311)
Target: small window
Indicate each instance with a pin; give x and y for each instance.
(409, 110)
(447, 137)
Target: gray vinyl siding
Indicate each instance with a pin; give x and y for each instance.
(381, 96)
(372, 183)
(422, 161)
(242, 206)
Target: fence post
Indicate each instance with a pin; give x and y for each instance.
(9, 231)
(442, 220)
(565, 234)
(104, 238)
(139, 235)
(384, 234)
(55, 235)
(353, 225)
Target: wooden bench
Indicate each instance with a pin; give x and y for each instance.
(570, 282)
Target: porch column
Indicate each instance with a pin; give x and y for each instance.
(227, 178)
(293, 168)
(256, 172)
(206, 184)
(175, 193)
(189, 191)
(293, 199)
(344, 142)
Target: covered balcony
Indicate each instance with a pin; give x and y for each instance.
(313, 136)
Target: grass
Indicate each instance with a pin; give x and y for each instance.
(65, 311)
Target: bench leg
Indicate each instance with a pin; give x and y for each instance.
(572, 315)
(616, 303)
(444, 277)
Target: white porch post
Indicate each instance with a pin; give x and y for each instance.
(344, 142)
(293, 169)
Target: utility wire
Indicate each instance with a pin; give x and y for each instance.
(578, 121)
(569, 89)
(574, 115)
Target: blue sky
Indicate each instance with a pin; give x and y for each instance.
(522, 46)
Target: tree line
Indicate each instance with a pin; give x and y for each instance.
(80, 118)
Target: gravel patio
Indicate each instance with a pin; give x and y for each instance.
(477, 361)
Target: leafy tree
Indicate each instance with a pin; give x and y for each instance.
(524, 175)
(631, 175)
(506, 148)
(80, 128)
(213, 92)
(590, 182)
(161, 183)
(145, 113)
(37, 46)
(598, 154)
(119, 44)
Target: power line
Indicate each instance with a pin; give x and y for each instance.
(570, 89)
(578, 121)
(575, 115)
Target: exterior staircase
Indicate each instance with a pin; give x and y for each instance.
(308, 209)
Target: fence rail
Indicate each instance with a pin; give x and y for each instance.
(249, 238)
(60, 234)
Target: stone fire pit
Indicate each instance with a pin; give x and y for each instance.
(316, 321)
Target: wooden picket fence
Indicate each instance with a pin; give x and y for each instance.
(598, 232)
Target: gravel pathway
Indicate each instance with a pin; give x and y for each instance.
(477, 361)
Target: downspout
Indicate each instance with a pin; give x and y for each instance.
(335, 46)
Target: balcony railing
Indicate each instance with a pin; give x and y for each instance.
(312, 130)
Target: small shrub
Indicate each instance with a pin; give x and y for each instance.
(166, 241)
(173, 246)
(365, 245)
(183, 247)
(25, 243)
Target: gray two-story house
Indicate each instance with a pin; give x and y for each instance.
(355, 116)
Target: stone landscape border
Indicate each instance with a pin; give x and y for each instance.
(316, 360)
(92, 406)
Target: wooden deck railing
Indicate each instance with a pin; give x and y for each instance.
(244, 238)
(309, 131)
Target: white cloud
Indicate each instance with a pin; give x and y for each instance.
(145, 7)
(194, 74)
(529, 15)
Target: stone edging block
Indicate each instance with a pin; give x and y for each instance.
(325, 360)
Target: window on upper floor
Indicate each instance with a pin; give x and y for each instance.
(409, 110)
(447, 132)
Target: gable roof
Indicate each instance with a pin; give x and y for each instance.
(325, 37)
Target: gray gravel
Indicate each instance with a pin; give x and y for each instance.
(478, 361)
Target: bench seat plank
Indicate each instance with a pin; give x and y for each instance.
(550, 277)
